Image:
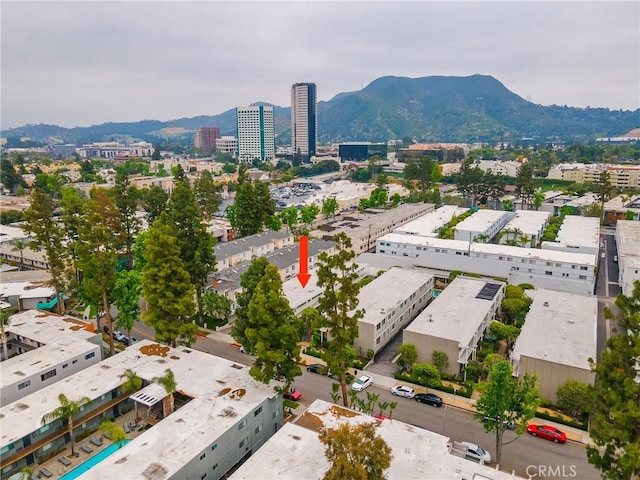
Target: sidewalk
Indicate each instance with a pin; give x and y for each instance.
(450, 399)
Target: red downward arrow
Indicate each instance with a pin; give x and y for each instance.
(304, 276)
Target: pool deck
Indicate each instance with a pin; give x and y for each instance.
(56, 467)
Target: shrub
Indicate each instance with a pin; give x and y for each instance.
(554, 417)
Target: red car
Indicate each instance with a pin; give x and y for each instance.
(292, 394)
(547, 432)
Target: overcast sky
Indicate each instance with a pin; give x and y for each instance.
(83, 63)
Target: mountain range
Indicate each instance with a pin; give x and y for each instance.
(477, 108)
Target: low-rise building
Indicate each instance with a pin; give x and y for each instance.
(555, 270)
(557, 340)
(221, 415)
(26, 295)
(628, 242)
(429, 224)
(296, 452)
(455, 322)
(390, 302)
(577, 234)
(247, 248)
(524, 228)
(43, 348)
(483, 224)
(622, 207)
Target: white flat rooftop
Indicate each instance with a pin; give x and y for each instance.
(628, 231)
(62, 338)
(428, 224)
(560, 327)
(456, 313)
(385, 293)
(529, 222)
(26, 290)
(578, 230)
(211, 381)
(480, 221)
(295, 451)
(494, 249)
(297, 295)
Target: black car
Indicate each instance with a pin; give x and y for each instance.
(317, 368)
(429, 399)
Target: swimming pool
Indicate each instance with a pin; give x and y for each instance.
(93, 461)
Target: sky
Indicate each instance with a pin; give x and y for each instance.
(81, 63)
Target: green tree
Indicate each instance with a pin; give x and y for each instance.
(156, 153)
(421, 173)
(507, 205)
(505, 400)
(132, 384)
(408, 356)
(4, 320)
(168, 382)
(575, 398)
(248, 281)
(73, 206)
(167, 287)
(125, 197)
(616, 414)
(603, 190)
(112, 430)
(99, 240)
(426, 374)
(289, 217)
(273, 332)
(10, 178)
(216, 306)
(538, 200)
(249, 217)
(48, 237)
(337, 276)
(525, 185)
(154, 202)
(65, 412)
(126, 297)
(207, 194)
(308, 214)
(502, 331)
(355, 452)
(440, 360)
(19, 246)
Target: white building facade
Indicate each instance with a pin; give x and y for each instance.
(255, 133)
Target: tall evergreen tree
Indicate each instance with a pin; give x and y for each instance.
(273, 331)
(154, 202)
(126, 297)
(615, 421)
(100, 238)
(72, 210)
(207, 195)
(167, 287)
(48, 237)
(525, 185)
(248, 281)
(337, 276)
(125, 198)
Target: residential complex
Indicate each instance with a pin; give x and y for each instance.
(304, 119)
(628, 240)
(255, 133)
(455, 322)
(245, 249)
(620, 176)
(524, 228)
(577, 234)
(557, 340)
(43, 348)
(220, 416)
(428, 225)
(482, 224)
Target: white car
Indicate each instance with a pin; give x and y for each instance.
(361, 383)
(403, 391)
(476, 453)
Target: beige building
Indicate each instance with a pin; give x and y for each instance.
(557, 340)
(621, 176)
(455, 321)
(628, 241)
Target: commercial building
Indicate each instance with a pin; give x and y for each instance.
(361, 151)
(255, 133)
(555, 270)
(524, 228)
(390, 302)
(557, 340)
(205, 138)
(43, 348)
(304, 119)
(62, 151)
(296, 452)
(220, 416)
(227, 144)
(577, 234)
(628, 242)
(455, 322)
(483, 223)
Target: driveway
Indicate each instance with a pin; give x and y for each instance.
(383, 360)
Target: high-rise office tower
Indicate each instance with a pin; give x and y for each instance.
(205, 138)
(256, 134)
(304, 119)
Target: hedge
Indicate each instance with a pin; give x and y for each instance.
(464, 391)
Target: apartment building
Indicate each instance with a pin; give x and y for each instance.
(620, 176)
(628, 242)
(429, 224)
(221, 416)
(43, 348)
(482, 224)
(555, 270)
(577, 234)
(255, 133)
(557, 340)
(524, 228)
(245, 249)
(455, 322)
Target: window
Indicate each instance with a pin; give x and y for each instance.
(242, 424)
(565, 274)
(582, 277)
(65, 365)
(558, 264)
(214, 446)
(202, 456)
(377, 326)
(214, 467)
(75, 361)
(257, 412)
(89, 355)
(549, 264)
(548, 272)
(258, 428)
(49, 374)
(583, 268)
(24, 384)
(203, 476)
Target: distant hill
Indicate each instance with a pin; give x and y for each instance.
(476, 108)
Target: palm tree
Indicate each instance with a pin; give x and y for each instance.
(25, 473)
(383, 407)
(113, 431)
(66, 411)
(168, 382)
(4, 320)
(392, 407)
(132, 384)
(19, 246)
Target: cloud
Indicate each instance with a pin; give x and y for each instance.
(80, 63)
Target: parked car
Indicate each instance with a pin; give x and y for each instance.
(317, 368)
(509, 424)
(129, 341)
(403, 391)
(476, 453)
(428, 398)
(119, 336)
(292, 394)
(362, 382)
(547, 432)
